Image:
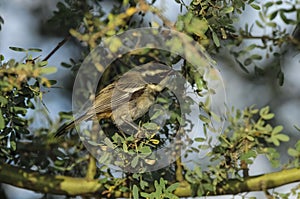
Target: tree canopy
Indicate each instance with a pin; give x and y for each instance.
(193, 142)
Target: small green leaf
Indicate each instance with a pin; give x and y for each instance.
(52, 82)
(172, 187)
(283, 137)
(293, 152)
(250, 47)
(264, 111)
(48, 70)
(3, 101)
(135, 161)
(66, 65)
(255, 56)
(227, 10)
(43, 63)
(135, 192)
(255, 6)
(108, 142)
(18, 49)
(2, 121)
(156, 114)
(13, 145)
(216, 39)
(125, 148)
(272, 24)
(150, 126)
(199, 139)
(268, 116)
(268, 4)
(204, 119)
(259, 24)
(145, 195)
(145, 150)
(277, 129)
(285, 19)
(273, 15)
(275, 141)
(34, 49)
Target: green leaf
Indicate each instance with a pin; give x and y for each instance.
(135, 192)
(3, 101)
(259, 24)
(199, 139)
(18, 49)
(172, 187)
(285, 19)
(52, 82)
(250, 47)
(272, 24)
(204, 119)
(277, 129)
(255, 56)
(2, 121)
(151, 126)
(135, 161)
(275, 141)
(268, 116)
(268, 4)
(13, 145)
(125, 148)
(66, 65)
(145, 150)
(145, 195)
(108, 142)
(283, 137)
(273, 15)
(43, 63)
(293, 152)
(48, 70)
(227, 10)
(19, 110)
(255, 6)
(216, 39)
(34, 49)
(115, 44)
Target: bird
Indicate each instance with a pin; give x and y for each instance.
(126, 99)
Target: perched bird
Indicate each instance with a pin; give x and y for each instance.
(126, 99)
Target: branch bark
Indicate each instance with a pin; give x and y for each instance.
(72, 186)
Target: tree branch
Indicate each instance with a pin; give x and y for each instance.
(60, 44)
(48, 184)
(81, 186)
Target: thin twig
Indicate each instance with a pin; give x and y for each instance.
(60, 44)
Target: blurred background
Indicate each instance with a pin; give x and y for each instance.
(25, 27)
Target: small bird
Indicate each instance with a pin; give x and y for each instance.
(126, 99)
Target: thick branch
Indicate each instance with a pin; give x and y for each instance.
(48, 184)
(81, 186)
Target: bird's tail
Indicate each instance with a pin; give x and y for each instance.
(70, 125)
(64, 128)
